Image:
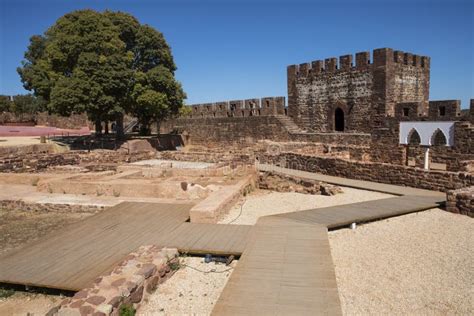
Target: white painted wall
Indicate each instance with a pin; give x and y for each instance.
(426, 131)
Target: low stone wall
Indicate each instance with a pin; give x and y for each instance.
(36, 162)
(218, 203)
(371, 171)
(461, 201)
(27, 149)
(12, 205)
(285, 183)
(130, 283)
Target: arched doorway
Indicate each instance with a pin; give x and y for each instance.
(339, 120)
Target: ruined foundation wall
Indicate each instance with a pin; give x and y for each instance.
(370, 171)
(461, 201)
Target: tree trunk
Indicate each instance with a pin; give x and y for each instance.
(106, 127)
(158, 128)
(119, 126)
(98, 127)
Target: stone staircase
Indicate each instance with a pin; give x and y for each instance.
(289, 124)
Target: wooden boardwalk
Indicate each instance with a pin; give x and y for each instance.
(73, 257)
(285, 268)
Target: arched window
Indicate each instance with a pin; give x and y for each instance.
(438, 138)
(339, 120)
(414, 137)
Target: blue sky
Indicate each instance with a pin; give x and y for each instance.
(240, 49)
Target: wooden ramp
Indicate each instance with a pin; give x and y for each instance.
(343, 215)
(286, 269)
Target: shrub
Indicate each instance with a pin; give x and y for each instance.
(127, 310)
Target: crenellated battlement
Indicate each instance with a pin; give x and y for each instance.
(239, 108)
(363, 61)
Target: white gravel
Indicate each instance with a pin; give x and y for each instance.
(416, 264)
(189, 292)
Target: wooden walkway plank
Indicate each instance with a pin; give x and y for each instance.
(285, 268)
(73, 257)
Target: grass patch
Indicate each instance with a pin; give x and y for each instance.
(4, 293)
(127, 310)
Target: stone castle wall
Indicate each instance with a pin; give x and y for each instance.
(75, 121)
(364, 92)
(239, 108)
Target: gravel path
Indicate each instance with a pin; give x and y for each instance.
(189, 292)
(421, 263)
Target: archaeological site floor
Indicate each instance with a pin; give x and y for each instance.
(300, 279)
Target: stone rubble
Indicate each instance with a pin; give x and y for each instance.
(129, 283)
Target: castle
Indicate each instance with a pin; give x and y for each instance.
(375, 110)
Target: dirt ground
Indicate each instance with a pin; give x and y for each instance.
(30, 304)
(19, 227)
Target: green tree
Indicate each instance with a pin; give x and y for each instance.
(5, 103)
(27, 104)
(104, 64)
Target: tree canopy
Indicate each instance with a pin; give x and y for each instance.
(104, 64)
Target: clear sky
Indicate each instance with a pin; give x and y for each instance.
(240, 49)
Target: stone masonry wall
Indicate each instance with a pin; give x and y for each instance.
(376, 172)
(366, 92)
(231, 130)
(461, 201)
(239, 108)
(45, 119)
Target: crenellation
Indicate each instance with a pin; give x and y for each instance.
(317, 67)
(330, 64)
(398, 57)
(239, 108)
(362, 60)
(303, 69)
(382, 56)
(345, 62)
(425, 62)
(408, 60)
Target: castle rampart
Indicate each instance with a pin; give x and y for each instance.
(239, 108)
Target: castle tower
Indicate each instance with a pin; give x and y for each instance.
(336, 95)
